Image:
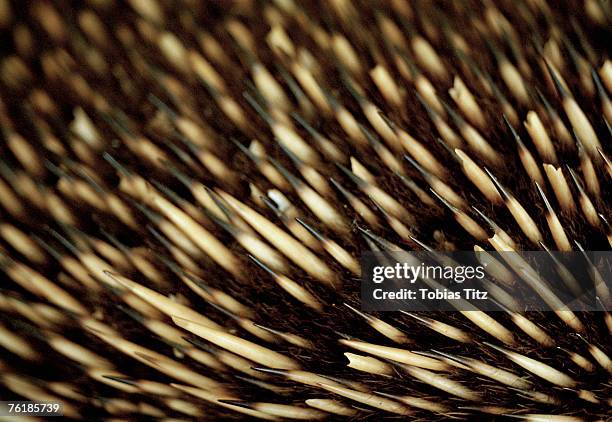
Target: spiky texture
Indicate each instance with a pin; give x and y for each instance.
(113, 113)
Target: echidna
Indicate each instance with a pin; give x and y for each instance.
(187, 187)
